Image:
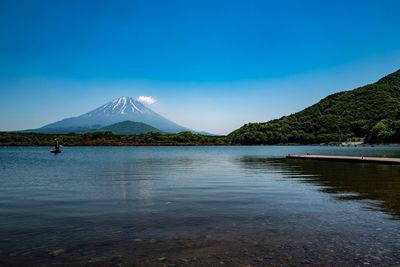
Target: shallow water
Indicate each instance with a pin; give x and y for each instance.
(197, 206)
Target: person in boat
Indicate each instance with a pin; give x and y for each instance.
(56, 146)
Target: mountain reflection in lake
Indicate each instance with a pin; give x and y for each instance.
(197, 206)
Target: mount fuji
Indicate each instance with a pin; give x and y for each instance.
(118, 110)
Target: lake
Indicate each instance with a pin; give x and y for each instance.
(197, 206)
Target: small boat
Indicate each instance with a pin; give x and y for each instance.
(57, 149)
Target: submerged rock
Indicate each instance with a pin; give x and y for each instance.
(57, 252)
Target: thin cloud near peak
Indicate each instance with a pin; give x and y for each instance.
(147, 100)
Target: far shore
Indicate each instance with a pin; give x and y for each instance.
(154, 139)
(190, 144)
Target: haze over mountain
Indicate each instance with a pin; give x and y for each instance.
(118, 110)
(370, 113)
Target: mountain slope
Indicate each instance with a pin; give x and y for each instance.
(129, 128)
(118, 110)
(371, 112)
(64, 130)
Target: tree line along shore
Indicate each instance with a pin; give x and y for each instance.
(109, 139)
(151, 139)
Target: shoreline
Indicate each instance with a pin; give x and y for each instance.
(152, 139)
(191, 144)
(227, 247)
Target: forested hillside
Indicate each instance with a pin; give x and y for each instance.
(370, 113)
(129, 128)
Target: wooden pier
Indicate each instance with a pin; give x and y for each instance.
(379, 160)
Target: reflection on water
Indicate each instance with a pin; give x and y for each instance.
(197, 205)
(378, 184)
(360, 181)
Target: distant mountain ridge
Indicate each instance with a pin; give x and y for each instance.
(118, 110)
(370, 113)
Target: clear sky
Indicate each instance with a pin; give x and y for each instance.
(211, 65)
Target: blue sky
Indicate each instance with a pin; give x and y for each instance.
(211, 65)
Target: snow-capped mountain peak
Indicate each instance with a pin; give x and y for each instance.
(121, 109)
(120, 106)
(123, 105)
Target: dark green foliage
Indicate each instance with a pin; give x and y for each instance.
(129, 127)
(109, 139)
(371, 112)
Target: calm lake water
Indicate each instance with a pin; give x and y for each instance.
(197, 206)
